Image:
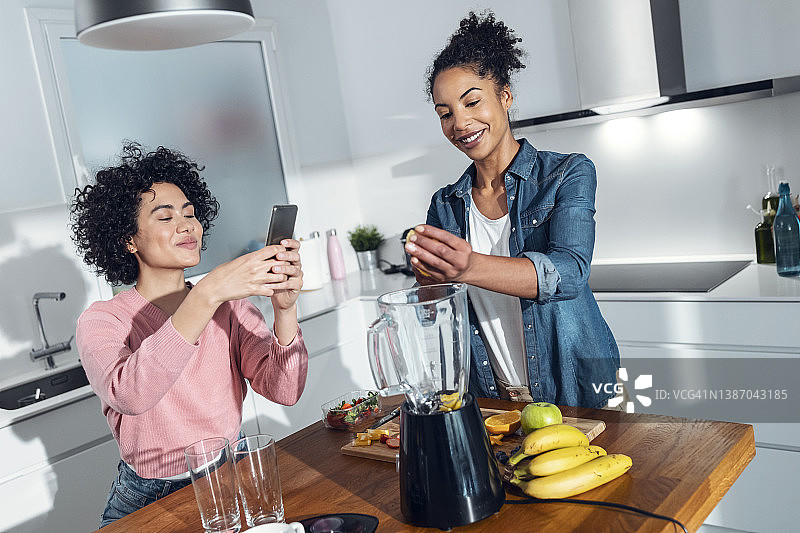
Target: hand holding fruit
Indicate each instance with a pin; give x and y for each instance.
(437, 255)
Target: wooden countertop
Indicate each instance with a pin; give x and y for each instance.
(681, 468)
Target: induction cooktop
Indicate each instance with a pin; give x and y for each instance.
(663, 277)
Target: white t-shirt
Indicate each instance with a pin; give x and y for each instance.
(499, 315)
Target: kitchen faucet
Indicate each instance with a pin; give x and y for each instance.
(47, 352)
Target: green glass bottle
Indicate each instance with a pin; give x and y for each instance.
(765, 243)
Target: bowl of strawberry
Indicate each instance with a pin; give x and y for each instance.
(352, 411)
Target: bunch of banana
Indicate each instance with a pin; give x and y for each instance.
(549, 438)
(558, 462)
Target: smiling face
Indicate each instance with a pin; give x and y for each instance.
(169, 237)
(473, 113)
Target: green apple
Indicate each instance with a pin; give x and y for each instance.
(538, 415)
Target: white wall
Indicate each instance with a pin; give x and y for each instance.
(673, 184)
(384, 48)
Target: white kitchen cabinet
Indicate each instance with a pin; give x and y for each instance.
(67, 495)
(762, 499)
(57, 470)
(33, 174)
(56, 433)
(739, 324)
(727, 42)
(337, 350)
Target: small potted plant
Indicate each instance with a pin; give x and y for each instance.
(365, 241)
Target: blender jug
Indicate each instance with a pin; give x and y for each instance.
(420, 346)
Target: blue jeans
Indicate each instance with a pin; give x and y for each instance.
(129, 492)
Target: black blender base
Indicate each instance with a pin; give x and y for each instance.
(448, 475)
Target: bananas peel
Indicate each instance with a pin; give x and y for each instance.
(578, 479)
(555, 461)
(549, 438)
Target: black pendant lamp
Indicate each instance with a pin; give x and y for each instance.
(159, 24)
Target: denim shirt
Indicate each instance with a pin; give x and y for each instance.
(569, 347)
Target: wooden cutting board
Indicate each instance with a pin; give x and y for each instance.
(381, 452)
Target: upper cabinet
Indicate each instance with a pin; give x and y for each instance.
(726, 42)
(33, 176)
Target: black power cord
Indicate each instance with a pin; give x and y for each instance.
(612, 505)
(390, 268)
(394, 269)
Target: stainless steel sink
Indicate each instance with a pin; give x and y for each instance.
(42, 388)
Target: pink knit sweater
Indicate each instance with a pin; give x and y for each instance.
(160, 393)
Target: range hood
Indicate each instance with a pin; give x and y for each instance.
(629, 61)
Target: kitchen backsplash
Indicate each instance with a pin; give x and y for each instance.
(669, 185)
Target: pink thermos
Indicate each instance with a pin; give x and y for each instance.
(335, 257)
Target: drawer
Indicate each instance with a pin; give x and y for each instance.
(328, 330)
(50, 435)
(68, 495)
(764, 324)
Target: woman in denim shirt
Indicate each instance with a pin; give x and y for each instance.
(518, 228)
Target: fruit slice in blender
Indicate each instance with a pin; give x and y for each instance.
(450, 402)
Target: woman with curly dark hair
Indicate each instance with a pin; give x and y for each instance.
(167, 359)
(518, 228)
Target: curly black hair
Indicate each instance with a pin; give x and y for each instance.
(483, 44)
(104, 214)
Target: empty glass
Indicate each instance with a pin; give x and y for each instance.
(259, 482)
(214, 480)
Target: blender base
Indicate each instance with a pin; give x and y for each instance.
(448, 474)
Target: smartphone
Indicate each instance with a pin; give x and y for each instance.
(281, 223)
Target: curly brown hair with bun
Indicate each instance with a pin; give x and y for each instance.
(483, 44)
(104, 214)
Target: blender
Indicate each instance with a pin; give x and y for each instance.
(419, 346)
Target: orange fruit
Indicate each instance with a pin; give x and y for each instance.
(503, 423)
(496, 440)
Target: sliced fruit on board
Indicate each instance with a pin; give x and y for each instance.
(503, 423)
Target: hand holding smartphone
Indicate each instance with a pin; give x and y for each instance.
(281, 223)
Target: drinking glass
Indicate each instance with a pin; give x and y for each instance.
(214, 480)
(259, 483)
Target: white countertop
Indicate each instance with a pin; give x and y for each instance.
(756, 283)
